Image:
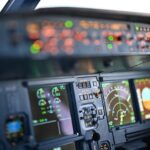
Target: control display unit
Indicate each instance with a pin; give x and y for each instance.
(50, 111)
(118, 103)
(143, 94)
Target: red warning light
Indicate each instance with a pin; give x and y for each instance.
(48, 31)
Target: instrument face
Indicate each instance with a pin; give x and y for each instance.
(118, 103)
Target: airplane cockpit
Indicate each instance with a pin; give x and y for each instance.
(73, 78)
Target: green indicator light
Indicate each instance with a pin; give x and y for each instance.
(110, 38)
(68, 24)
(132, 113)
(137, 28)
(109, 46)
(35, 49)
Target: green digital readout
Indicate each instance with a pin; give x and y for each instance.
(118, 103)
(50, 111)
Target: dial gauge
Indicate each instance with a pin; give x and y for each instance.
(118, 103)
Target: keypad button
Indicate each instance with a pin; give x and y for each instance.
(81, 97)
(85, 97)
(95, 83)
(100, 112)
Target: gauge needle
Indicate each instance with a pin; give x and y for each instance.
(121, 117)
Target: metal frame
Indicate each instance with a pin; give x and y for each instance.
(15, 5)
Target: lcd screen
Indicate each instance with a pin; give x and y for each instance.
(118, 103)
(50, 111)
(143, 94)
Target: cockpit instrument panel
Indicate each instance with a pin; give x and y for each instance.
(51, 34)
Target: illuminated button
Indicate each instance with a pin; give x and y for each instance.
(48, 31)
(69, 42)
(33, 31)
(137, 28)
(66, 33)
(69, 24)
(110, 38)
(79, 36)
(109, 46)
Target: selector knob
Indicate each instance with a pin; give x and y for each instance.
(97, 93)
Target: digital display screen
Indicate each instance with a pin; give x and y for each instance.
(70, 146)
(50, 111)
(15, 129)
(118, 103)
(143, 94)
